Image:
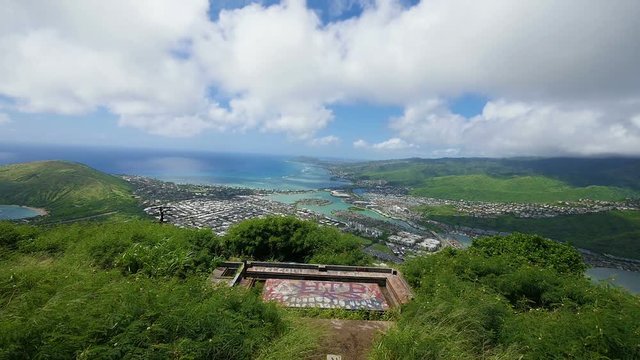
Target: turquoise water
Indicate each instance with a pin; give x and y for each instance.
(629, 280)
(463, 239)
(243, 170)
(273, 173)
(337, 204)
(13, 212)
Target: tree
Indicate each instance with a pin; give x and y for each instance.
(534, 250)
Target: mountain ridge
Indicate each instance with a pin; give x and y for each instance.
(65, 189)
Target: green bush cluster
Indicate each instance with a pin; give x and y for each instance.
(140, 290)
(137, 289)
(290, 239)
(54, 312)
(532, 250)
(124, 290)
(511, 297)
(612, 232)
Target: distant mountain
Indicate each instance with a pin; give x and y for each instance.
(517, 179)
(65, 189)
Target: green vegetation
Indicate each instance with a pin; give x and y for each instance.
(320, 313)
(532, 250)
(66, 190)
(299, 342)
(577, 172)
(355, 208)
(130, 288)
(70, 292)
(289, 239)
(524, 181)
(531, 189)
(138, 289)
(508, 298)
(382, 247)
(444, 210)
(614, 232)
(507, 180)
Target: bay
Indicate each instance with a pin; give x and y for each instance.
(257, 171)
(629, 280)
(15, 212)
(334, 204)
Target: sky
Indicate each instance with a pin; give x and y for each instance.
(335, 78)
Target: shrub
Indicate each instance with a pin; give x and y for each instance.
(534, 250)
(290, 239)
(511, 297)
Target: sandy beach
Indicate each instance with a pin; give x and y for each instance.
(40, 211)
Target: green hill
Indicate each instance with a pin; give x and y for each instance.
(507, 180)
(612, 232)
(66, 190)
(533, 189)
(141, 290)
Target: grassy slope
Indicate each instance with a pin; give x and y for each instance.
(524, 180)
(521, 180)
(538, 189)
(65, 189)
(382, 247)
(616, 232)
(518, 304)
(66, 292)
(138, 289)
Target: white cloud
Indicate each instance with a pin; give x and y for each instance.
(72, 58)
(522, 128)
(155, 63)
(169, 126)
(324, 141)
(4, 118)
(393, 144)
(360, 144)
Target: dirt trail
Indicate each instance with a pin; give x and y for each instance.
(350, 339)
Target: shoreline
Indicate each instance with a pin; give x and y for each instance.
(39, 211)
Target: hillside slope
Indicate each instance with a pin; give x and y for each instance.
(67, 190)
(506, 180)
(140, 290)
(533, 189)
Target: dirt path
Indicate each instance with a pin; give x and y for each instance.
(81, 218)
(349, 339)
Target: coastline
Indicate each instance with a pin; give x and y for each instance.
(39, 211)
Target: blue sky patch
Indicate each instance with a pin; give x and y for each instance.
(468, 105)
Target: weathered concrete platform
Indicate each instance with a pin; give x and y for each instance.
(325, 294)
(324, 286)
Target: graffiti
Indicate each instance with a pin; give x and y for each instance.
(325, 294)
(279, 270)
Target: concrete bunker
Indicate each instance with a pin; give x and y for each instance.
(321, 286)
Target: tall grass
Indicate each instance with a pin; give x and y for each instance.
(501, 300)
(71, 292)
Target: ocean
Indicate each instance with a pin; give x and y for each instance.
(244, 170)
(12, 212)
